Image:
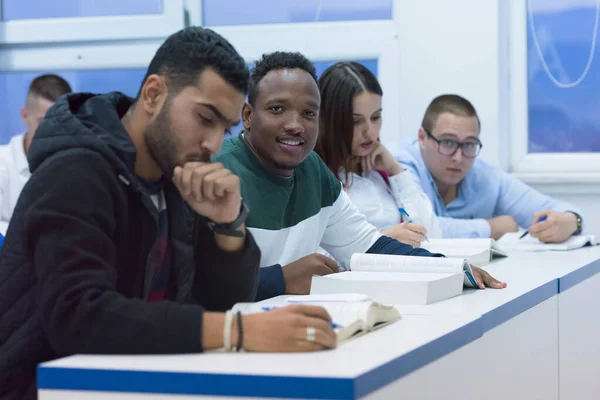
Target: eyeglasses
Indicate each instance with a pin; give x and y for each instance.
(449, 147)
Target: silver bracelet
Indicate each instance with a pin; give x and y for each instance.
(227, 330)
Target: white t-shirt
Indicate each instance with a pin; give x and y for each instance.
(379, 202)
(14, 174)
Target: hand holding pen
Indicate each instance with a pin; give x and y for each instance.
(409, 220)
(538, 221)
(554, 226)
(407, 232)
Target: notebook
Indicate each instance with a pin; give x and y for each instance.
(398, 279)
(351, 318)
(478, 252)
(511, 242)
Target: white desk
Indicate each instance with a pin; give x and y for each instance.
(525, 341)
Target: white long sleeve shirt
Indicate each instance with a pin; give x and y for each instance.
(379, 202)
(14, 174)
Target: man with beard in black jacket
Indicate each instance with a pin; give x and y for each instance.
(127, 239)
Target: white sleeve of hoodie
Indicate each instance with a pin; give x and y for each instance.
(347, 231)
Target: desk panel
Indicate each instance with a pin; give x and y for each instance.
(516, 360)
(579, 324)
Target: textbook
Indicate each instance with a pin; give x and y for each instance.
(510, 241)
(399, 279)
(478, 252)
(350, 319)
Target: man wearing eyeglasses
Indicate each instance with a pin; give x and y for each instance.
(471, 197)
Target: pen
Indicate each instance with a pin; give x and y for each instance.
(333, 324)
(527, 231)
(405, 215)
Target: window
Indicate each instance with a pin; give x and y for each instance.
(38, 9)
(552, 98)
(14, 85)
(563, 79)
(97, 45)
(244, 12)
(344, 30)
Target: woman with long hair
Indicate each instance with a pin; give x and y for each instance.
(350, 122)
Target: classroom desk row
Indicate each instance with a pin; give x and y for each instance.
(536, 339)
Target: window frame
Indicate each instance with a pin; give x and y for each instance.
(197, 4)
(79, 56)
(58, 30)
(542, 168)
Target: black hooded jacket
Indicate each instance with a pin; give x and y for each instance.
(73, 265)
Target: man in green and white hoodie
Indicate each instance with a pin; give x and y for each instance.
(296, 204)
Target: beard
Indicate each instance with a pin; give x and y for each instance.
(163, 145)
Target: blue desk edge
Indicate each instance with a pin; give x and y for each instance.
(578, 276)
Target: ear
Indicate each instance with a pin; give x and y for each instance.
(153, 94)
(247, 116)
(24, 115)
(422, 138)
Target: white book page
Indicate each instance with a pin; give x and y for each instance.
(466, 246)
(511, 241)
(327, 298)
(363, 276)
(392, 263)
(344, 314)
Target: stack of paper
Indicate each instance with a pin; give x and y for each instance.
(398, 279)
(478, 252)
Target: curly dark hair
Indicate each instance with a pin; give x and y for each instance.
(275, 61)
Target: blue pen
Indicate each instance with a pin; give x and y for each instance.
(527, 231)
(333, 324)
(407, 217)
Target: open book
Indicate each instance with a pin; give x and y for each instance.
(478, 252)
(399, 279)
(350, 318)
(510, 241)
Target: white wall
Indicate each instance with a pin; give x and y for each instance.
(451, 47)
(461, 46)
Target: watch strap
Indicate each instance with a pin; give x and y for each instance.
(231, 228)
(579, 222)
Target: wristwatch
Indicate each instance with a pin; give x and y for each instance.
(231, 229)
(579, 222)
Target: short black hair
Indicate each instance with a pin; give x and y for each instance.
(186, 53)
(448, 103)
(49, 87)
(275, 61)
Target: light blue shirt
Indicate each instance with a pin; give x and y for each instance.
(485, 192)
